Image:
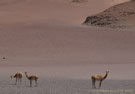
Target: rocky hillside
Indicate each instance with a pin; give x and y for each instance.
(116, 16)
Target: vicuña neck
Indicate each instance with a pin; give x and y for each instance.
(106, 75)
(27, 75)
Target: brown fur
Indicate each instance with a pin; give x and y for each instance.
(31, 78)
(18, 76)
(98, 77)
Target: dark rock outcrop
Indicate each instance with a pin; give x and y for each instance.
(100, 20)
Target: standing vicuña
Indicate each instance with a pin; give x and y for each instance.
(18, 77)
(31, 78)
(98, 77)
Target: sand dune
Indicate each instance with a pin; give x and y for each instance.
(59, 11)
(67, 44)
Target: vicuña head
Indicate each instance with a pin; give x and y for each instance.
(98, 77)
(31, 78)
(11, 76)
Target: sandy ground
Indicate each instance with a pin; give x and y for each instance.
(69, 46)
(67, 86)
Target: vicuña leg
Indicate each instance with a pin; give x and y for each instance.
(100, 84)
(35, 82)
(30, 83)
(16, 81)
(20, 81)
(93, 83)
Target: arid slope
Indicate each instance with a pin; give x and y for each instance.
(121, 15)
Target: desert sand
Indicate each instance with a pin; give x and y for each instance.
(46, 37)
